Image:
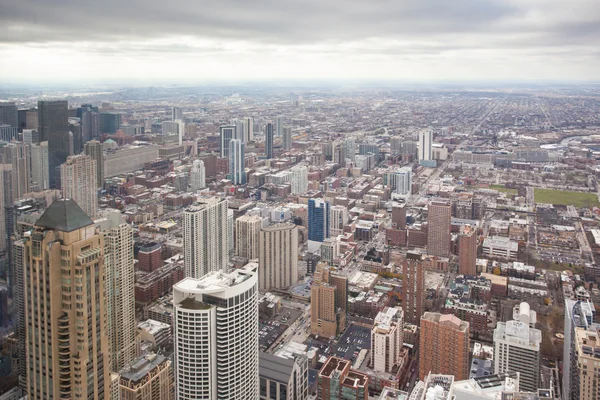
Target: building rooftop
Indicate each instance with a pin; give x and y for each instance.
(64, 215)
(140, 367)
(275, 368)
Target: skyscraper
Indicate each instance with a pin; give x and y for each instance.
(299, 179)
(248, 129)
(95, 149)
(350, 149)
(247, 234)
(176, 114)
(318, 220)
(269, 141)
(425, 141)
(78, 182)
(215, 327)
(338, 220)
(67, 346)
(237, 169)
(403, 181)
(205, 237)
(517, 347)
(328, 302)
(39, 165)
(279, 123)
(399, 215)
(387, 339)
(278, 256)
(287, 138)
(439, 218)
(226, 134)
(53, 127)
(120, 293)
(444, 346)
(90, 122)
(413, 292)
(9, 114)
(197, 176)
(18, 155)
(467, 250)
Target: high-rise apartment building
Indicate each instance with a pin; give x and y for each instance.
(149, 377)
(399, 215)
(78, 180)
(269, 141)
(279, 125)
(90, 122)
(439, 218)
(247, 236)
(283, 377)
(39, 165)
(587, 353)
(65, 315)
(248, 129)
(337, 380)
(9, 115)
(338, 219)
(413, 292)
(328, 302)
(579, 320)
(467, 250)
(425, 145)
(287, 138)
(299, 179)
(278, 256)
(517, 348)
(318, 220)
(237, 169)
(176, 114)
(197, 176)
(403, 181)
(205, 237)
(396, 145)
(215, 331)
(120, 289)
(387, 339)
(53, 127)
(18, 155)
(226, 134)
(95, 149)
(350, 149)
(444, 346)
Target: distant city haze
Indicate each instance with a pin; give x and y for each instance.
(184, 41)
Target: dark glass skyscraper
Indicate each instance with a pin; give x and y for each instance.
(9, 115)
(53, 127)
(269, 141)
(318, 220)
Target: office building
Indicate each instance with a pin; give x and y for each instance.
(17, 155)
(278, 257)
(95, 149)
(517, 348)
(403, 181)
(237, 169)
(413, 292)
(226, 133)
(120, 289)
(110, 122)
(248, 124)
(149, 377)
(579, 318)
(283, 378)
(425, 145)
(387, 339)
(396, 145)
(365, 149)
(176, 114)
(269, 141)
(299, 179)
(279, 125)
(78, 182)
(215, 332)
(467, 250)
(90, 122)
(53, 127)
(337, 380)
(350, 149)
(39, 166)
(287, 138)
(205, 237)
(338, 220)
(170, 128)
(439, 218)
(8, 133)
(65, 318)
(9, 115)
(318, 220)
(197, 176)
(328, 302)
(444, 346)
(247, 236)
(31, 136)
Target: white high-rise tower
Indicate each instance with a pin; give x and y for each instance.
(215, 331)
(78, 182)
(205, 237)
(39, 165)
(299, 179)
(197, 176)
(425, 140)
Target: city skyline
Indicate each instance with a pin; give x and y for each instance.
(410, 41)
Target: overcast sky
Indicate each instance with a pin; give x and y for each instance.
(203, 40)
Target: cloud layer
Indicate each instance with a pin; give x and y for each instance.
(262, 39)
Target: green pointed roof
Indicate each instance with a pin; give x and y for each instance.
(64, 215)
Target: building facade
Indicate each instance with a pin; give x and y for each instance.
(95, 150)
(149, 377)
(413, 294)
(439, 217)
(283, 378)
(247, 235)
(387, 339)
(318, 220)
(278, 256)
(237, 169)
(467, 250)
(78, 182)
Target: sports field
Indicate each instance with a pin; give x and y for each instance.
(577, 199)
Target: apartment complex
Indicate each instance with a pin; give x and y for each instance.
(278, 256)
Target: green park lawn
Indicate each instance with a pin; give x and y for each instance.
(577, 199)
